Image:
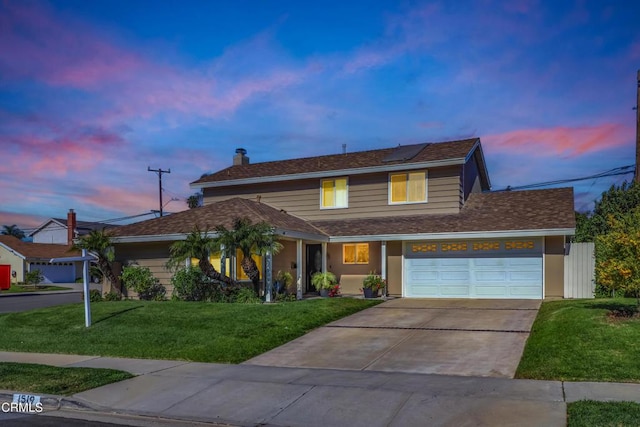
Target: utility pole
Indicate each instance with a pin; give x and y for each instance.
(159, 172)
(637, 175)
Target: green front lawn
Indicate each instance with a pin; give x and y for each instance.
(202, 332)
(32, 378)
(30, 288)
(587, 413)
(574, 340)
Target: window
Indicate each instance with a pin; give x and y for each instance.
(215, 262)
(333, 193)
(408, 187)
(355, 253)
(240, 274)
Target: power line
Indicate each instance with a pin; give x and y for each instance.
(622, 170)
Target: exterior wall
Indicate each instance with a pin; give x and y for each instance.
(368, 196)
(394, 268)
(284, 260)
(17, 264)
(337, 267)
(52, 233)
(151, 255)
(554, 266)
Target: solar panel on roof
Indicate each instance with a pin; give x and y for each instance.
(404, 152)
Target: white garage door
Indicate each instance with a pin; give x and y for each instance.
(508, 269)
(56, 273)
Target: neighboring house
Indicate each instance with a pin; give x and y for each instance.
(63, 231)
(18, 257)
(420, 215)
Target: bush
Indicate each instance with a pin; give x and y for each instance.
(95, 296)
(33, 277)
(141, 280)
(112, 296)
(324, 280)
(286, 298)
(191, 284)
(246, 296)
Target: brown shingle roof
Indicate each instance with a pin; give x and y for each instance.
(499, 211)
(360, 159)
(44, 251)
(220, 213)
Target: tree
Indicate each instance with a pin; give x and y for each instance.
(616, 202)
(250, 239)
(197, 245)
(99, 243)
(194, 200)
(617, 254)
(12, 230)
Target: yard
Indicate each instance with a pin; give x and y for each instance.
(32, 378)
(201, 332)
(576, 340)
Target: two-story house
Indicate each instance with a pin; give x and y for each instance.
(420, 215)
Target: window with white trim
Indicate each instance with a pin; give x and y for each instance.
(408, 187)
(355, 253)
(333, 193)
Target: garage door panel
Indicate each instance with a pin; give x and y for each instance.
(474, 277)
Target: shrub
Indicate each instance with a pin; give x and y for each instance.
(191, 284)
(373, 281)
(33, 277)
(141, 280)
(324, 280)
(95, 296)
(111, 296)
(246, 296)
(286, 298)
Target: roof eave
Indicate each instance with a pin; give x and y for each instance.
(456, 235)
(323, 174)
(484, 172)
(13, 251)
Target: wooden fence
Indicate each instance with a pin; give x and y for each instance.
(579, 271)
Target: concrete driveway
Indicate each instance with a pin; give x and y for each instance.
(429, 336)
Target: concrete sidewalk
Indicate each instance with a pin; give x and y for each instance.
(252, 395)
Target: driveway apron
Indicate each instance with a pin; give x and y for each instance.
(428, 336)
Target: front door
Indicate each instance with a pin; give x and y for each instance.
(314, 264)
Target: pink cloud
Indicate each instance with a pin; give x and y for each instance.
(566, 141)
(129, 200)
(25, 222)
(34, 43)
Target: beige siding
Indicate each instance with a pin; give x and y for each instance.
(394, 268)
(285, 260)
(368, 196)
(554, 267)
(151, 255)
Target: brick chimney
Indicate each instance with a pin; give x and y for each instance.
(71, 226)
(241, 157)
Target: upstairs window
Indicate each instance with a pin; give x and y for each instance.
(333, 193)
(409, 187)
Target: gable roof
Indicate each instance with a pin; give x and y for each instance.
(36, 251)
(434, 154)
(82, 227)
(206, 218)
(504, 211)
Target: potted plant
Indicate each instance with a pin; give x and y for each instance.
(324, 282)
(284, 279)
(372, 284)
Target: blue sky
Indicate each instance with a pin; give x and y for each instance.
(92, 93)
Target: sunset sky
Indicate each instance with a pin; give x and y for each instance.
(94, 92)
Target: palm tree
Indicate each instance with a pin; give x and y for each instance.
(250, 239)
(99, 243)
(12, 230)
(197, 245)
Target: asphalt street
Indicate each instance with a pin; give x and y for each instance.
(12, 304)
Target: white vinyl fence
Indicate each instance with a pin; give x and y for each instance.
(579, 271)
